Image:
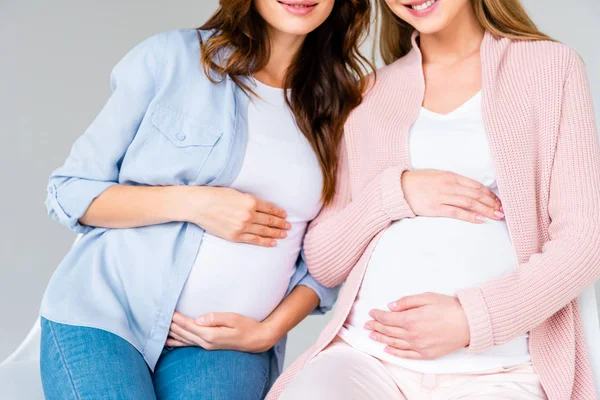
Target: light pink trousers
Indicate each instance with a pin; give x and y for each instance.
(344, 373)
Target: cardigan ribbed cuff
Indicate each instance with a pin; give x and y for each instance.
(392, 196)
(478, 317)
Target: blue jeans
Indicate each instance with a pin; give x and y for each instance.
(87, 363)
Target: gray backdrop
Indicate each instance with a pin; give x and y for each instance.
(55, 60)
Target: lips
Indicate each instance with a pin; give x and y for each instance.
(298, 8)
(422, 5)
(422, 8)
(297, 4)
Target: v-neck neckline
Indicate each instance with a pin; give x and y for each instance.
(455, 112)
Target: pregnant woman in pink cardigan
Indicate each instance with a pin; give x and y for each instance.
(466, 220)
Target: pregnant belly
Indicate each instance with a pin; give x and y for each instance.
(239, 278)
(435, 255)
(438, 255)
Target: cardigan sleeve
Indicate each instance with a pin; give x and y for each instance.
(514, 304)
(94, 161)
(339, 235)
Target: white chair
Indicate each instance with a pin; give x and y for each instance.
(591, 325)
(20, 373)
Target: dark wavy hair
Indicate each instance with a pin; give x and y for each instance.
(326, 79)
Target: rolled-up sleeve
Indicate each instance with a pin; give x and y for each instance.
(95, 159)
(327, 296)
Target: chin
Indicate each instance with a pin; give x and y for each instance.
(284, 18)
(294, 29)
(429, 27)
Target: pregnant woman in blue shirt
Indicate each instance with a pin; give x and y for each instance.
(192, 189)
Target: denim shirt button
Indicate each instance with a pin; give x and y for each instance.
(181, 137)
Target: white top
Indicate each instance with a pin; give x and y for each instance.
(281, 167)
(442, 255)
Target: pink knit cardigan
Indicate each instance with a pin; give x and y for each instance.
(538, 116)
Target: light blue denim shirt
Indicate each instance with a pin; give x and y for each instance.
(165, 124)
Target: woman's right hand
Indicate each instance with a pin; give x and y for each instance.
(435, 193)
(235, 216)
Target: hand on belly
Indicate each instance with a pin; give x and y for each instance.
(421, 327)
(221, 331)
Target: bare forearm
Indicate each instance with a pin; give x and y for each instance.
(292, 310)
(122, 206)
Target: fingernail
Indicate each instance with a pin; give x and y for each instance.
(387, 350)
(288, 226)
(480, 218)
(499, 214)
(283, 234)
(371, 314)
(501, 208)
(274, 243)
(392, 305)
(373, 336)
(200, 320)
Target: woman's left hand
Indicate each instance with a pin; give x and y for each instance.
(422, 327)
(221, 331)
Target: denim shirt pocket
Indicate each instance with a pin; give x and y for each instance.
(178, 146)
(184, 131)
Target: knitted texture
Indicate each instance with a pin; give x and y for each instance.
(538, 116)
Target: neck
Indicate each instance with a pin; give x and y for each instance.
(284, 48)
(458, 40)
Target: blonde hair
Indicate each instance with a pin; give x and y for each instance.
(504, 18)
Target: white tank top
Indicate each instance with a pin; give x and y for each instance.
(281, 167)
(440, 255)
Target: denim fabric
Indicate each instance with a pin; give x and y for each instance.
(166, 123)
(195, 373)
(87, 363)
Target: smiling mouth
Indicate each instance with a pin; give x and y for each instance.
(422, 6)
(300, 6)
